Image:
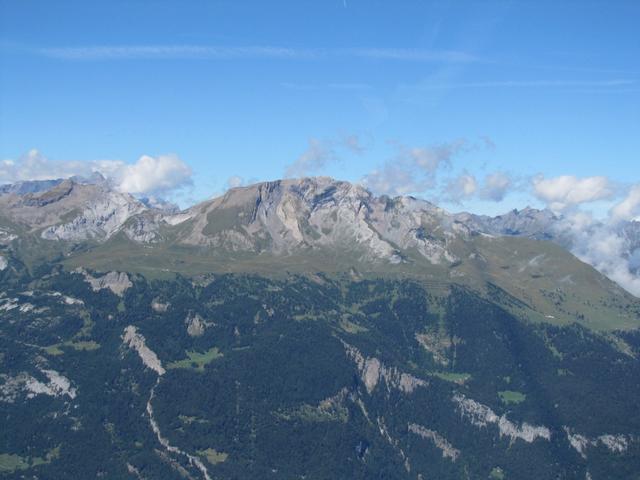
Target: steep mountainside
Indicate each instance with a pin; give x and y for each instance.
(245, 377)
(70, 211)
(317, 225)
(306, 329)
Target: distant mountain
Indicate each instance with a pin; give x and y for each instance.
(70, 211)
(35, 186)
(528, 222)
(160, 204)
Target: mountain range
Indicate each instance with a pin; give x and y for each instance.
(308, 328)
(310, 224)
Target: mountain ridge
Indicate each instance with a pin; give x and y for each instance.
(306, 328)
(315, 225)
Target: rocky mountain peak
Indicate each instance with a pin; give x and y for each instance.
(71, 209)
(319, 213)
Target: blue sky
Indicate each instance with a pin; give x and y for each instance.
(428, 98)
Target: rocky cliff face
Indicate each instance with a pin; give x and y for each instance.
(290, 216)
(70, 210)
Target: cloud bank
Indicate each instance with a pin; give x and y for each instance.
(612, 244)
(610, 247)
(149, 175)
(462, 187)
(629, 208)
(416, 170)
(320, 153)
(496, 186)
(567, 191)
(153, 174)
(465, 186)
(413, 169)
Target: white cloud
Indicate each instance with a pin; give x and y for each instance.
(629, 208)
(567, 190)
(603, 246)
(414, 169)
(496, 185)
(154, 174)
(409, 54)
(353, 143)
(431, 158)
(462, 187)
(465, 186)
(235, 181)
(35, 166)
(392, 179)
(561, 84)
(127, 52)
(320, 153)
(317, 155)
(216, 52)
(147, 176)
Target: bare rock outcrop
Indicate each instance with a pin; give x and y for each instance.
(137, 342)
(117, 282)
(372, 371)
(448, 451)
(57, 385)
(581, 443)
(481, 415)
(158, 306)
(195, 325)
